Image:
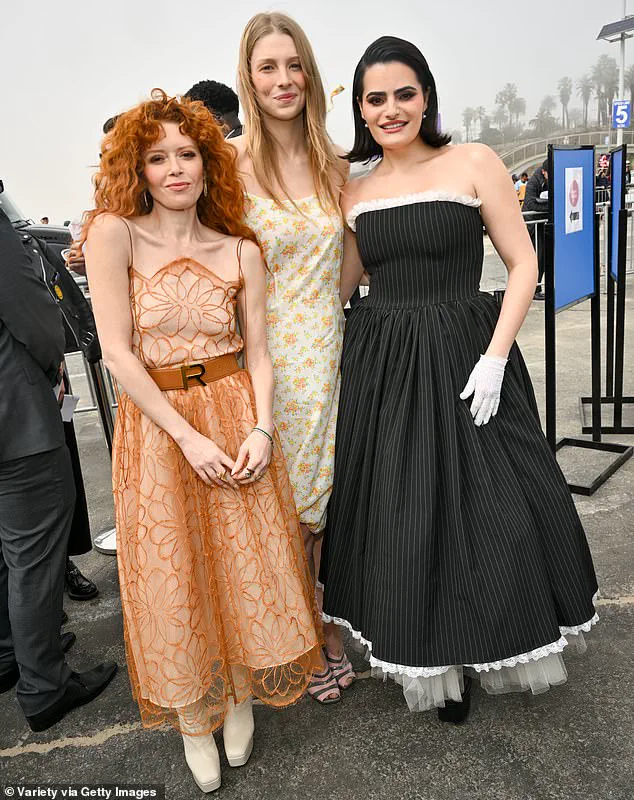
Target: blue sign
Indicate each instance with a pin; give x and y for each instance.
(617, 170)
(572, 196)
(621, 113)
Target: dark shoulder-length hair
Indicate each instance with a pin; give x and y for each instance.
(383, 51)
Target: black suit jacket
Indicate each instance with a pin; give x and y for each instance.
(537, 183)
(31, 350)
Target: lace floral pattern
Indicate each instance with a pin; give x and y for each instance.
(217, 598)
(407, 199)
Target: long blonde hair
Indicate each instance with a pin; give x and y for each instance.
(324, 161)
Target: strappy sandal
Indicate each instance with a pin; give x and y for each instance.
(323, 684)
(341, 669)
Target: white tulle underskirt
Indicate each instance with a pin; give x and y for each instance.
(429, 687)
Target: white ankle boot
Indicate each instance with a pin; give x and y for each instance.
(203, 760)
(238, 732)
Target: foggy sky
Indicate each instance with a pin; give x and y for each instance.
(67, 67)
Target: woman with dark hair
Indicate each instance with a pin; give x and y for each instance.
(218, 604)
(453, 547)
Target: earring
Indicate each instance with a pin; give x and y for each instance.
(424, 115)
(365, 124)
(147, 200)
(205, 185)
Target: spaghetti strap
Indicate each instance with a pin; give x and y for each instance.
(133, 307)
(127, 224)
(239, 257)
(244, 290)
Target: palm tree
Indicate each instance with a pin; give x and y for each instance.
(575, 117)
(506, 96)
(605, 78)
(564, 86)
(467, 118)
(518, 109)
(548, 104)
(499, 117)
(611, 83)
(480, 114)
(544, 123)
(584, 90)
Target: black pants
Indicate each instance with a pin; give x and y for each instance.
(536, 232)
(37, 498)
(79, 541)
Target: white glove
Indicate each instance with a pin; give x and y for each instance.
(485, 384)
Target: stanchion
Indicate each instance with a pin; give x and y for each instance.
(615, 316)
(106, 541)
(572, 275)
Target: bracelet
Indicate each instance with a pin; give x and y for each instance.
(268, 435)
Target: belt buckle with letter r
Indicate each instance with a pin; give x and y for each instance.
(187, 375)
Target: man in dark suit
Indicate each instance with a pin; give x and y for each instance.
(37, 495)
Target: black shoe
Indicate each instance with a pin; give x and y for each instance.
(539, 295)
(81, 688)
(77, 585)
(9, 679)
(454, 711)
(64, 617)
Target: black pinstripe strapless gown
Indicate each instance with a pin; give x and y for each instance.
(447, 544)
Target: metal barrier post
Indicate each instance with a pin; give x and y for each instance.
(101, 383)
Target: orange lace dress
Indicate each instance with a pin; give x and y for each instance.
(216, 594)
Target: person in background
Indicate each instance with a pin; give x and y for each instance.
(37, 496)
(81, 335)
(520, 188)
(223, 103)
(536, 199)
(44, 221)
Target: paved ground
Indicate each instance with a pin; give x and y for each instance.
(576, 741)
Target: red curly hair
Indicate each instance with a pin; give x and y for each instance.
(119, 183)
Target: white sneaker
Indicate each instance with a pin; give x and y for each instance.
(203, 759)
(238, 732)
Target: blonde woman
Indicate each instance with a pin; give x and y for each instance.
(293, 175)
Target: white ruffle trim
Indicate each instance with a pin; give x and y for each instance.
(409, 199)
(430, 672)
(431, 687)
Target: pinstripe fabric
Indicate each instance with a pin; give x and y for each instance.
(446, 543)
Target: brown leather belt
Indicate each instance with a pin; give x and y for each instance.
(198, 373)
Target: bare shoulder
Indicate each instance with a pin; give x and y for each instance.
(251, 255)
(109, 236)
(356, 191)
(478, 155)
(108, 227)
(343, 166)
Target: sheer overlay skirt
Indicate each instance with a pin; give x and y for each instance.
(217, 598)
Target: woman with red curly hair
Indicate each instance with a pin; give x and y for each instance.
(217, 598)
